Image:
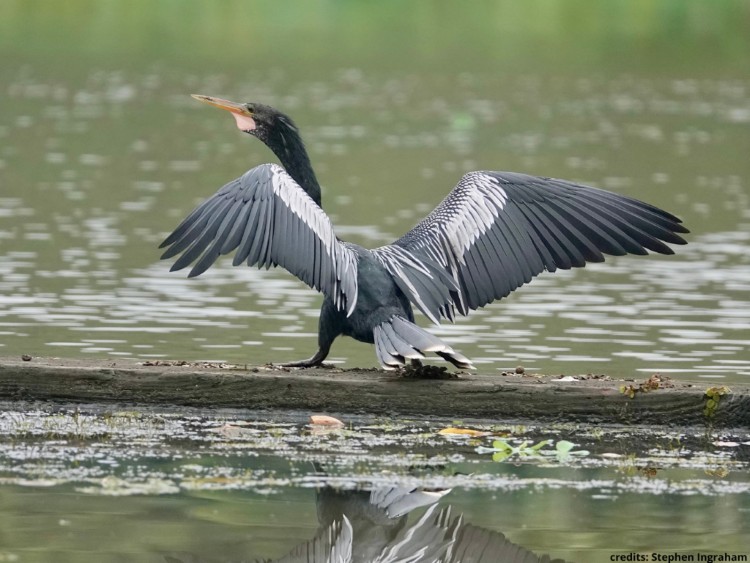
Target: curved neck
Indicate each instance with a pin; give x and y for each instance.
(287, 145)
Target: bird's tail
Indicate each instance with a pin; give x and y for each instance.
(397, 339)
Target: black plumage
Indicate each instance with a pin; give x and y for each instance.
(494, 232)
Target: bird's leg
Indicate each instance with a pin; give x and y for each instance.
(328, 330)
(329, 327)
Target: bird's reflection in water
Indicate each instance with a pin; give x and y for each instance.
(373, 527)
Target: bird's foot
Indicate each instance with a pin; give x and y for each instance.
(308, 363)
(299, 364)
(315, 361)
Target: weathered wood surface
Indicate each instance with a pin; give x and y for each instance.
(524, 397)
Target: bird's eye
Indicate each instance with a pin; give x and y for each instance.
(250, 108)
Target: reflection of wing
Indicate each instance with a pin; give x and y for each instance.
(353, 530)
(497, 230)
(378, 517)
(428, 540)
(332, 545)
(270, 221)
(397, 501)
(479, 545)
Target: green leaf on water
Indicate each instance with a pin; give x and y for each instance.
(502, 445)
(539, 446)
(501, 456)
(563, 446)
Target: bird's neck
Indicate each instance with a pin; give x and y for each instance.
(290, 150)
(301, 170)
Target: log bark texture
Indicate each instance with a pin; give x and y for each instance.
(497, 397)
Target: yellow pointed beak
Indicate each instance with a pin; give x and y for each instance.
(234, 107)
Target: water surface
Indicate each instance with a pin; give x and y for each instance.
(191, 485)
(96, 173)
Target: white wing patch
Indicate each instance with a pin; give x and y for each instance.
(473, 212)
(344, 260)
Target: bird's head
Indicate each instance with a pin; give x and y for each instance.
(279, 133)
(259, 120)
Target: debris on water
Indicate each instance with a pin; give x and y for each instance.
(114, 486)
(26, 358)
(723, 444)
(228, 430)
(451, 431)
(325, 420)
(520, 370)
(155, 451)
(719, 472)
(649, 472)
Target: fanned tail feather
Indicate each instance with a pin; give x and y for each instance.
(397, 340)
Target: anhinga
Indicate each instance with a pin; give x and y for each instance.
(494, 232)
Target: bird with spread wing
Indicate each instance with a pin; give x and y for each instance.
(493, 232)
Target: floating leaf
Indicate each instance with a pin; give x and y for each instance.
(564, 451)
(324, 420)
(451, 431)
(502, 446)
(503, 450)
(563, 446)
(719, 472)
(501, 456)
(539, 446)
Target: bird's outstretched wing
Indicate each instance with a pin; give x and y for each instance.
(270, 221)
(497, 230)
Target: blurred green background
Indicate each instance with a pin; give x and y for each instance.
(644, 36)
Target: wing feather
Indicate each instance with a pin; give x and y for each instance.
(270, 221)
(495, 231)
(522, 236)
(234, 237)
(550, 238)
(570, 232)
(248, 235)
(213, 252)
(202, 241)
(189, 231)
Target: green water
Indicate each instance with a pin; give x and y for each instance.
(99, 484)
(103, 152)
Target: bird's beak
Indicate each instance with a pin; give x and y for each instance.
(242, 115)
(234, 107)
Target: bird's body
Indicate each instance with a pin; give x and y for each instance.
(494, 232)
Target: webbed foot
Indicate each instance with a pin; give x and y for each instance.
(316, 360)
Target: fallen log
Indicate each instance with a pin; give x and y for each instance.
(512, 396)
